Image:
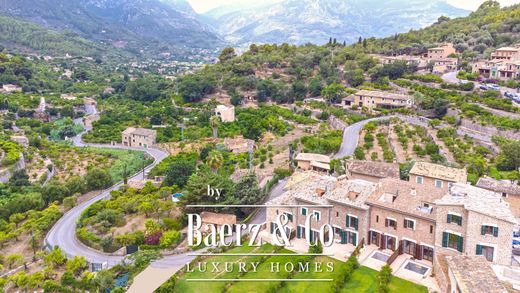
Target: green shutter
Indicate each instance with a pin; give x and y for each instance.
(449, 218)
(495, 231)
(272, 227)
(304, 211)
(479, 250)
(459, 221)
(355, 223)
(343, 236)
(483, 230)
(460, 241)
(354, 238)
(298, 235)
(445, 239)
(347, 221)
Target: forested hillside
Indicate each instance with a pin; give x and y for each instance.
(477, 34)
(28, 37)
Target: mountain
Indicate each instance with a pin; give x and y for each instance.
(132, 24)
(315, 21)
(27, 37)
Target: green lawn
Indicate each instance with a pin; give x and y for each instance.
(209, 287)
(363, 279)
(314, 287)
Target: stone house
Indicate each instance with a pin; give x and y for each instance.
(402, 217)
(377, 99)
(468, 274)
(239, 144)
(139, 137)
(474, 221)
(371, 171)
(510, 191)
(439, 176)
(226, 113)
(337, 202)
(442, 51)
(218, 220)
(310, 161)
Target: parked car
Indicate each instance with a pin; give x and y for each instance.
(516, 243)
(493, 86)
(509, 95)
(483, 87)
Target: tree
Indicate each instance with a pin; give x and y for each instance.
(214, 122)
(54, 192)
(55, 258)
(511, 151)
(104, 280)
(179, 172)
(227, 54)
(77, 265)
(383, 279)
(247, 191)
(19, 178)
(215, 160)
(169, 238)
(76, 184)
(315, 86)
(98, 179)
(333, 92)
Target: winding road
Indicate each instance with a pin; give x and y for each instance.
(63, 233)
(351, 137)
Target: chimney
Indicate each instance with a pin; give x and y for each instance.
(320, 192)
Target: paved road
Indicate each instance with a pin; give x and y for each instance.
(276, 191)
(63, 233)
(351, 136)
(450, 77)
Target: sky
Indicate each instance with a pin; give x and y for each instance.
(201, 6)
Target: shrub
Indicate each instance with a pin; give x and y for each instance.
(383, 279)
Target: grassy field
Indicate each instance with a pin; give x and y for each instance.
(363, 279)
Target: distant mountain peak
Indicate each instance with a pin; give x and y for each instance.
(302, 21)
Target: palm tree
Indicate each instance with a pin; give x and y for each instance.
(214, 160)
(214, 121)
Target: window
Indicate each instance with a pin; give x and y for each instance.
(303, 211)
(486, 251)
(390, 223)
(337, 214)
(489, 230)
(438, 183)
(453, 241)
(452, 218)
(377, 219)
(409, 224)
(427, 253)
(351, 222)
(431, 229)
(418, 180)
(289, 216)
(317, 215)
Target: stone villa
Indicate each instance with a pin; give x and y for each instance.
(376, 99)
(510, 191)
(423, 173)
(414, 220)
(316, 162)
(226, 113)
(503, 64)
(138, 137)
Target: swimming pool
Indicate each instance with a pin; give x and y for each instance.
(416, 268)
(380, 256)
